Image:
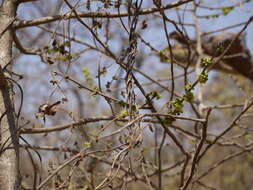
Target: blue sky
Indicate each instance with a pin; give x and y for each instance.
(154, 34)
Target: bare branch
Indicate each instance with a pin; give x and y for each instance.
(22, 24)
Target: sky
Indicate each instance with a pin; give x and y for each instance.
(154, 35)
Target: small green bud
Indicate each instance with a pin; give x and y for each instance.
(168, 120)
(206, 61)
(154, 94)
(178, 105)
(188, 87)
(87, 144)
(122, 103)
(203, 77)
(189, 96)
(226, 10)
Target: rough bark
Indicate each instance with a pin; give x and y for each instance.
(9, 152)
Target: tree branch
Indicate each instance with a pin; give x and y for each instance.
(34, 22)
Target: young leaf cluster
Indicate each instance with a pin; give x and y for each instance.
(203, 77)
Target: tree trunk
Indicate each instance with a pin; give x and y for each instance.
(9, 147)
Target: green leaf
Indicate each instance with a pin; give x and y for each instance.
(69, 57)
(52, 50)
(178, 105)
(227, 10)
(220, 48)
(87, 74)
(122, 103)
(192, 141)
(70, 186)
(168, 120)
(87, 144)
(123, 113)
(85, 187)
(67, 43)
(206, 61)
(86, 71)
(214, 16)
(203, 77)
(248, 137)
(95, 91)
(154, 94)
(189, 96)
(135, 108)
(188, 87)
(162, 56)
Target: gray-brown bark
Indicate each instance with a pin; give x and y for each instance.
(9, 158)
